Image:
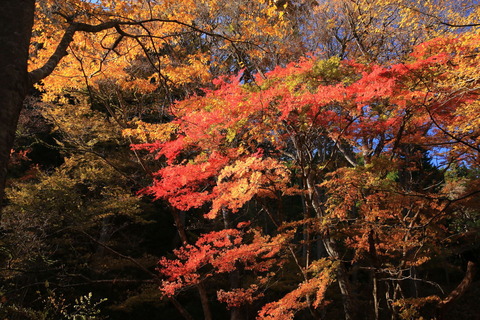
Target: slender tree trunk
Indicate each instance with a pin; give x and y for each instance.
(376, 304)
(333, 252)
(105, 235)
(236, 313)
(342, 279)
(207, 313)
(16, 22)
(373, 274)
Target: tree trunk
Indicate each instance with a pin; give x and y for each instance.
(16, 22)
(342, 279)
(333, 252)
(207, 313)
(236, 313)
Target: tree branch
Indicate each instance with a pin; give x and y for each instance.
(442, 22)
(41, 73)
(459, 290)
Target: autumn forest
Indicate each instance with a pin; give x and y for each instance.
(249, 159)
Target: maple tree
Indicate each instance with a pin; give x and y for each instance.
(152, 46)
(347, 139)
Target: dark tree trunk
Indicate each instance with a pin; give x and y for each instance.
(236, 313)
(202, 291)
(16, 22)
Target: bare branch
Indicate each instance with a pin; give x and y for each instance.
(442, 22)
(61, 50)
